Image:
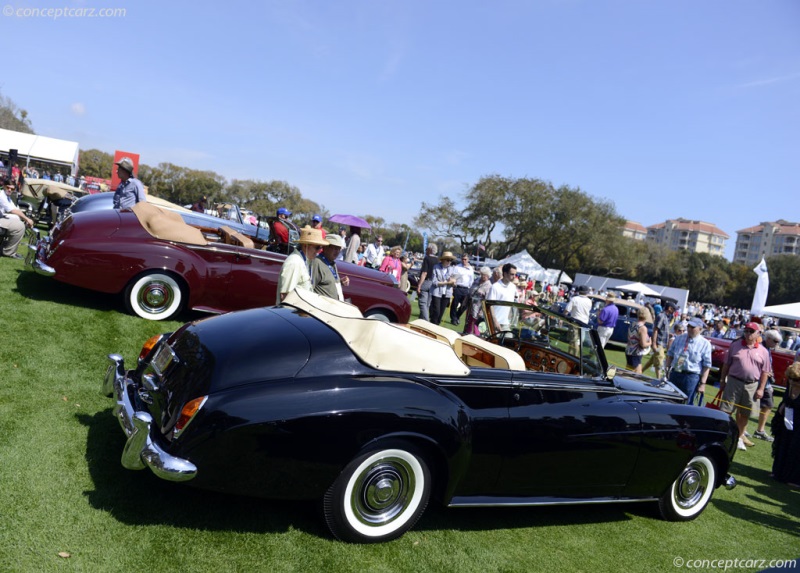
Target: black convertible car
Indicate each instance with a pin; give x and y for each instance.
(309, 400)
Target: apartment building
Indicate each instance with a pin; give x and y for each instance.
(766, 240)
(634, 230)
(684, 234)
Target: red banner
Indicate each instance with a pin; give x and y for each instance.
(117, 156)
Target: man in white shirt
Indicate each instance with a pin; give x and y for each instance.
(504, 290)
(465, 276)
(580, 305)
(12, 223)
(374, 253)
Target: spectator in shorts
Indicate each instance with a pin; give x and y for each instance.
(638, 341)
(660, 340)
(771, 339)
(743, 378)
(607, 320)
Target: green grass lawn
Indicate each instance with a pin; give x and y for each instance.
(63, 490)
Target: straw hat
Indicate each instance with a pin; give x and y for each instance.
(309, 236)
(447, 256)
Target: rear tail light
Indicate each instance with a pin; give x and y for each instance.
(188, 413)
(149, 345)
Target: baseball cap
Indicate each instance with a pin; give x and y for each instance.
(696, 321)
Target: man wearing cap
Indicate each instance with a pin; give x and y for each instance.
(660, 339)
(316, 223)
(689, 360)
(743, 378)
(282, 229)
(607, 319)
(296, 269)
(200, 206)
(325, 274)
(580, 305)
(130, 190)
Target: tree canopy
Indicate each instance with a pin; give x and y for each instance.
(13, 117)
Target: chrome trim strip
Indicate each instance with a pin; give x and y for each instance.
(488, 501)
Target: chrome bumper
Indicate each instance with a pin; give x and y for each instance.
(140, 450)
(36, 254)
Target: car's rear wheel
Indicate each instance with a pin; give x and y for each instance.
(154, 296)
(379, 495)
(690, 493)
(378, 315)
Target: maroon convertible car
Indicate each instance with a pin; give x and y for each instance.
(162, 265)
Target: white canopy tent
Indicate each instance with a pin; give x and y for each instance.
(553, 276)
(637, 287)
(790, 311)
(524, 262)
(40, 148)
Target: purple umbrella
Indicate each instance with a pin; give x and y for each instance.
(350, 220)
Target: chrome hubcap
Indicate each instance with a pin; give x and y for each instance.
(692, 486)
(155, 297)
(383, 491)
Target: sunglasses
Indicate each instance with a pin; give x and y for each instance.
(749, 331)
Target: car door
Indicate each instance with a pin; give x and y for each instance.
(571, 437)
(485, 396)
(253, 279)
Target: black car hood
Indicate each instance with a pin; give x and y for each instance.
(632, 383)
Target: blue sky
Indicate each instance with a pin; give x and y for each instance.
(669, 109)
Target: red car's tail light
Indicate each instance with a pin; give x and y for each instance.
(149, 345)
(188, 413)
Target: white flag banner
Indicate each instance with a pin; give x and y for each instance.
(762, 288)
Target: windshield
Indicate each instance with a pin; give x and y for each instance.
(522, 327)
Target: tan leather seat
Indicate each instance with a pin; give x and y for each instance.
(475, 351)
(232, 237)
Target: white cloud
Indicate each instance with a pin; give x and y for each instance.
(768, 81)
(78, 109)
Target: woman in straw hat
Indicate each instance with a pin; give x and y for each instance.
(442, 287)
(295, 271)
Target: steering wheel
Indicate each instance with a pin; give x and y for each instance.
(500, 338)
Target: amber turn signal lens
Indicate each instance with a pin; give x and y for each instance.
(149, 344)
(187, 413)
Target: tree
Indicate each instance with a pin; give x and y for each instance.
(96, 163)
(444, 220)
(784, 271)
(12, 117)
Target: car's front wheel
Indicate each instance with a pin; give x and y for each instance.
(154, 296)
(379, 495)
(690, 493)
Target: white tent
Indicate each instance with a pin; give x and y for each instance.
(552, 276)
(790, 311)
(636, 287)
(38, 147)
(524, 262)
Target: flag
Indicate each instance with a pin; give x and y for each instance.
(762, 288)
